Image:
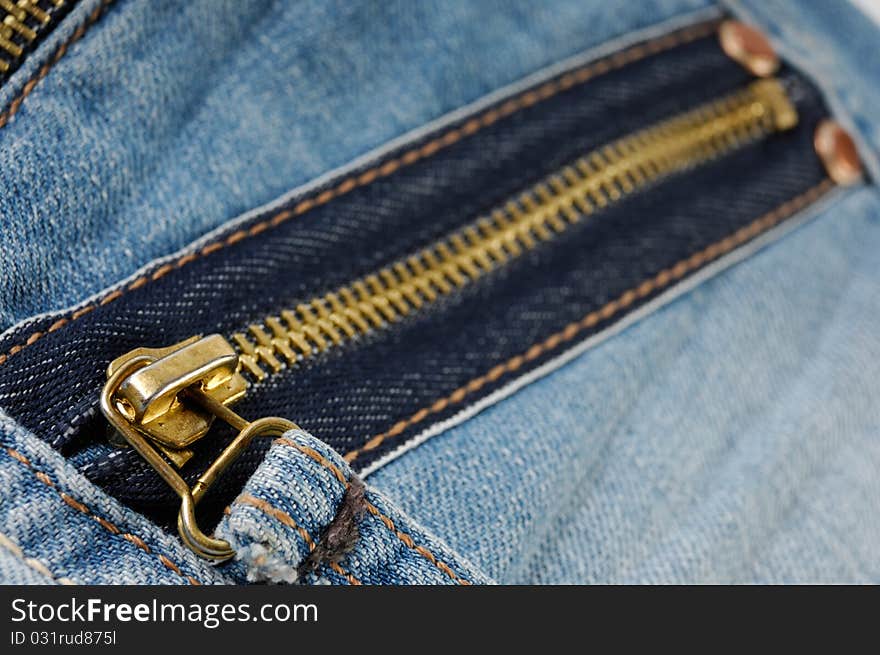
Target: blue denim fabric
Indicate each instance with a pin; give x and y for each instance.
(72, 530)
(286, 506)
(730, 436)
(18, 569)
(122, 84)
(167, 120)
(400, 370)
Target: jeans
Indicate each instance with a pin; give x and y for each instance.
(717, 429)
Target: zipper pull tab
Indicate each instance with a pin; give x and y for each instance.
(163, 400)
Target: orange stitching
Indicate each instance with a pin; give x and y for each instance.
(80, 31)
(662, 279)
(315, 455)
(523, 101)
(286, 519)
(104, 523)
(372, 509)
(283, 517)
(32, 562)
(408, 542)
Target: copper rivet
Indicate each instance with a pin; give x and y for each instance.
(748, 47)
(838, 153)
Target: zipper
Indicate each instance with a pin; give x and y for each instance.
(23, 25)
(163, 400)
(542, 213)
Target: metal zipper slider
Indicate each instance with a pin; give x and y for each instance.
(163, 400)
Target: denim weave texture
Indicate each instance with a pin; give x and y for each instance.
(727, 434)
(275, 522)
(394, 373)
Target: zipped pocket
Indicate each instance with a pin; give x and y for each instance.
(377, 308)
(542, 213)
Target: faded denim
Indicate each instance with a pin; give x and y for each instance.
(125, 153)
(728, 436)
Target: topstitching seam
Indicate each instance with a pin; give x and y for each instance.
(375, 511)
(37, 565)
(287, 520)
(662, 279)
(26, 90)
(104, 523)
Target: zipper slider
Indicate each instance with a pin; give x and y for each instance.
(163, 400)
(149, 396)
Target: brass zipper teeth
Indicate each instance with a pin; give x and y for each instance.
(541, 213)
(21, 23)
